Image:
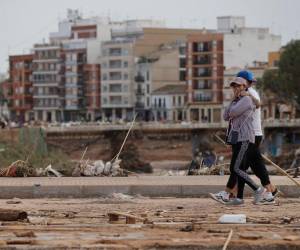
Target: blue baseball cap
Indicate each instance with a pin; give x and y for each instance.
(248, 75)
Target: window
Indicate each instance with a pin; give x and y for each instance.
(104, 77)
(182, 75)
(74, 79)
(125, 64)
(125, 52)
(179, 100)
(104, 65)
(74, 57)
(40, 91)
(104, 88)
(125, 76)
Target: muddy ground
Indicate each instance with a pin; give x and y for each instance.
(172, 223)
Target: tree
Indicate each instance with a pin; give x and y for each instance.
(285, 81)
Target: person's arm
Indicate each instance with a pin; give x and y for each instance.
(255, 100)
(226, 116)
(243, 105)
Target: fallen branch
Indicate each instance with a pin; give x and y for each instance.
(267, 160)
(228, 240)
(280, 170)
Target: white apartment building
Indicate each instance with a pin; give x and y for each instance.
(117, 80)
(168, 103)
(245, 45)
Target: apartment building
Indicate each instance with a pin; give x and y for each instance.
(155, 70)
(19, 87)
(117, 80)
(74, 60)
(168, 103)
(205, 77)
(92, 90)
(273, 58)
(48, 83)
(143, 89)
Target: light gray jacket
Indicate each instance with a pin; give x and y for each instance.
(239, 114)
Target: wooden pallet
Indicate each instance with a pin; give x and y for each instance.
(129, 218)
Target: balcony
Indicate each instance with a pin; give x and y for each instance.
(202, 98)
(202, 61)
(115, 52)
(202, 47)
(139, 105)
(139, 78)
(140, 91)
(203, 74)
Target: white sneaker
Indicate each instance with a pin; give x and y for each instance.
(259, 194)
(221, 196)
(267, 199)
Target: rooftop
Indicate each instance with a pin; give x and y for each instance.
(171, 89)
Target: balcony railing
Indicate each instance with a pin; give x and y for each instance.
(140, 105)
(204, 74)
(202, 61)
(139, 78)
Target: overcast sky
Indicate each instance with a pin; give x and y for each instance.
(25, 22)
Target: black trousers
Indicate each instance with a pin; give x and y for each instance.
(256, 162)
(238, 166)
(252, 159)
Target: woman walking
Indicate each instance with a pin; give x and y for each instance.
(240, 135)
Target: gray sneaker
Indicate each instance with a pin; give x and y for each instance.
(235, 202)
(259, 195)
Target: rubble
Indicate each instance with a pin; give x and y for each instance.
(121, 196)
(49, 171)
(99, 168)
(25, 234)
(18, 168)
(14, 201)
(12, 215)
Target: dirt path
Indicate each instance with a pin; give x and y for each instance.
(83, 223)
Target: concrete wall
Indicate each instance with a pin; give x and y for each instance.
(249, 45)
(165, 71)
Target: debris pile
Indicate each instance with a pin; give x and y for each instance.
(18, 169)
(99, 168)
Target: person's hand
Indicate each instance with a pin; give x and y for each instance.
(236, 92)
(244, 93)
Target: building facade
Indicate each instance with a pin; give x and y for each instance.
(48, 83)
(205, 77)
(20, 89)
(74, 60)
(92, 91)
(168, 103)
(245, 45)
(117, 80)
